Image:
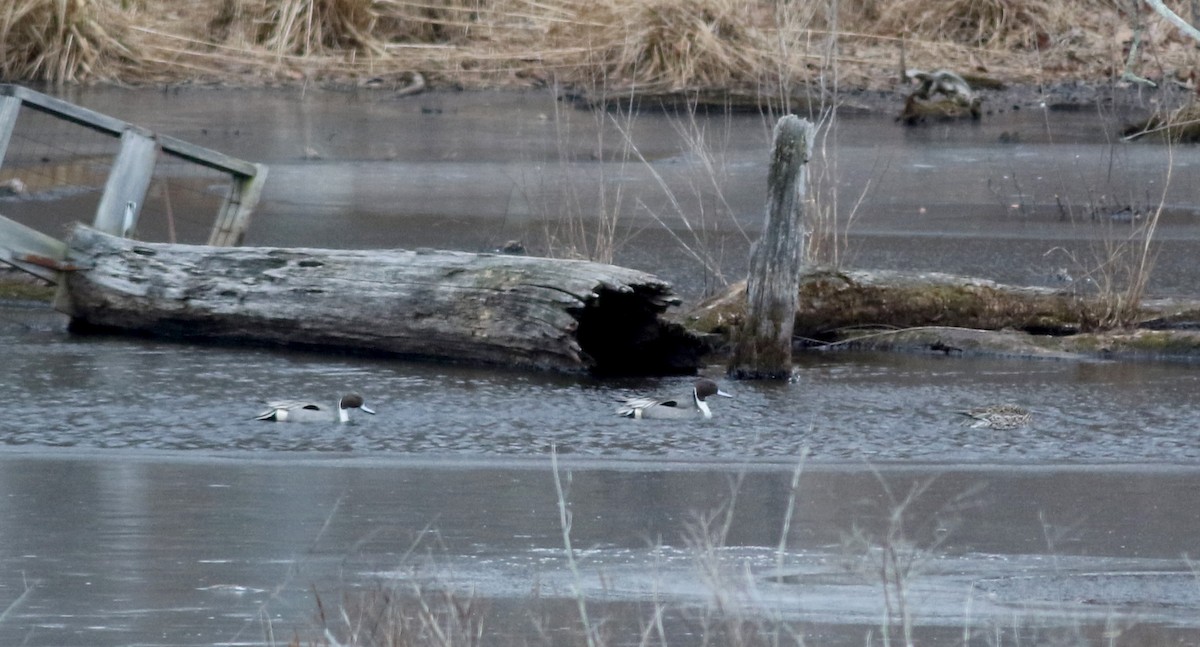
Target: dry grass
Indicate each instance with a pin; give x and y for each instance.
(667, 45)
(298, 27)
(62, 40)
(1021, 24)
(398, 617)
(651, 44)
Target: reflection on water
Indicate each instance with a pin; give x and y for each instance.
(123, 547)
(1018, 197)
(142, 504)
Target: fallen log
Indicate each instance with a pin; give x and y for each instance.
(519, 311)
(835, 305)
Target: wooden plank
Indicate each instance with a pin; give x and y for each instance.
(17, 241)
(114, 126)
(206, 157)
(128, 180)
(9, 107)
(66, 110)
(231, 224)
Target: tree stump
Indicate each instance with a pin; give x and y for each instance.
(762, 347)
(514, 311)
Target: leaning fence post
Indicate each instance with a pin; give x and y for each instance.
(762, 345)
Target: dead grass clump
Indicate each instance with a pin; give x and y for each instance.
(666, 45)
(297, 27)
(61, 40)
(1025, 24)
(446, 21)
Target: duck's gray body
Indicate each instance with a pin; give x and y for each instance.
(692, 405)
(300, 411)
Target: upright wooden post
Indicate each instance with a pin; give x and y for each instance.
(763, 344)
(128, 180)
(234, 218)
(9, 107)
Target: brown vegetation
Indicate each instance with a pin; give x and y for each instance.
(71, 40)
(655, 45)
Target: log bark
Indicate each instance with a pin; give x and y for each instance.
(835, 305)
(517, 311)
(763, 345)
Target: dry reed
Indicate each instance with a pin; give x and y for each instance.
(653, 45)
(62, 40)
(667, 45)
(985, 23)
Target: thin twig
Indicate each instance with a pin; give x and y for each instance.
(564, 520)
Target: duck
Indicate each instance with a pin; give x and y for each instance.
(997, 416)
(687, 406)
(300, 411)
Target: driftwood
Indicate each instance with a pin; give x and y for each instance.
(835, 305)
(762, 345)
(477, 308)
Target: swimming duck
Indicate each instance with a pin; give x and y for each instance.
(997, 416)
(298, 411)
(688, 406)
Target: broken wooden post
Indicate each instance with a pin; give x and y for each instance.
(234, 218)
(516, 311)
(762, 345)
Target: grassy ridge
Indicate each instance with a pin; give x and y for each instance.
(766, 46)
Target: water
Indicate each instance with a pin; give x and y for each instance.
(1016, 197)
(143, 505)
(875, 407)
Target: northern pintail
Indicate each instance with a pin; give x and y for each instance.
(687, 406)
(997, 416)
(299, 411)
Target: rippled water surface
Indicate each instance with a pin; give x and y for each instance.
(142, 504)
(114, 393)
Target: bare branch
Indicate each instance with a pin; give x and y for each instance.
(1174, 19)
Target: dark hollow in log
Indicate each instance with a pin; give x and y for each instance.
(517, 311)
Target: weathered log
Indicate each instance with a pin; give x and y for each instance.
(762, 345)
(835, 305)
(493, 309)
